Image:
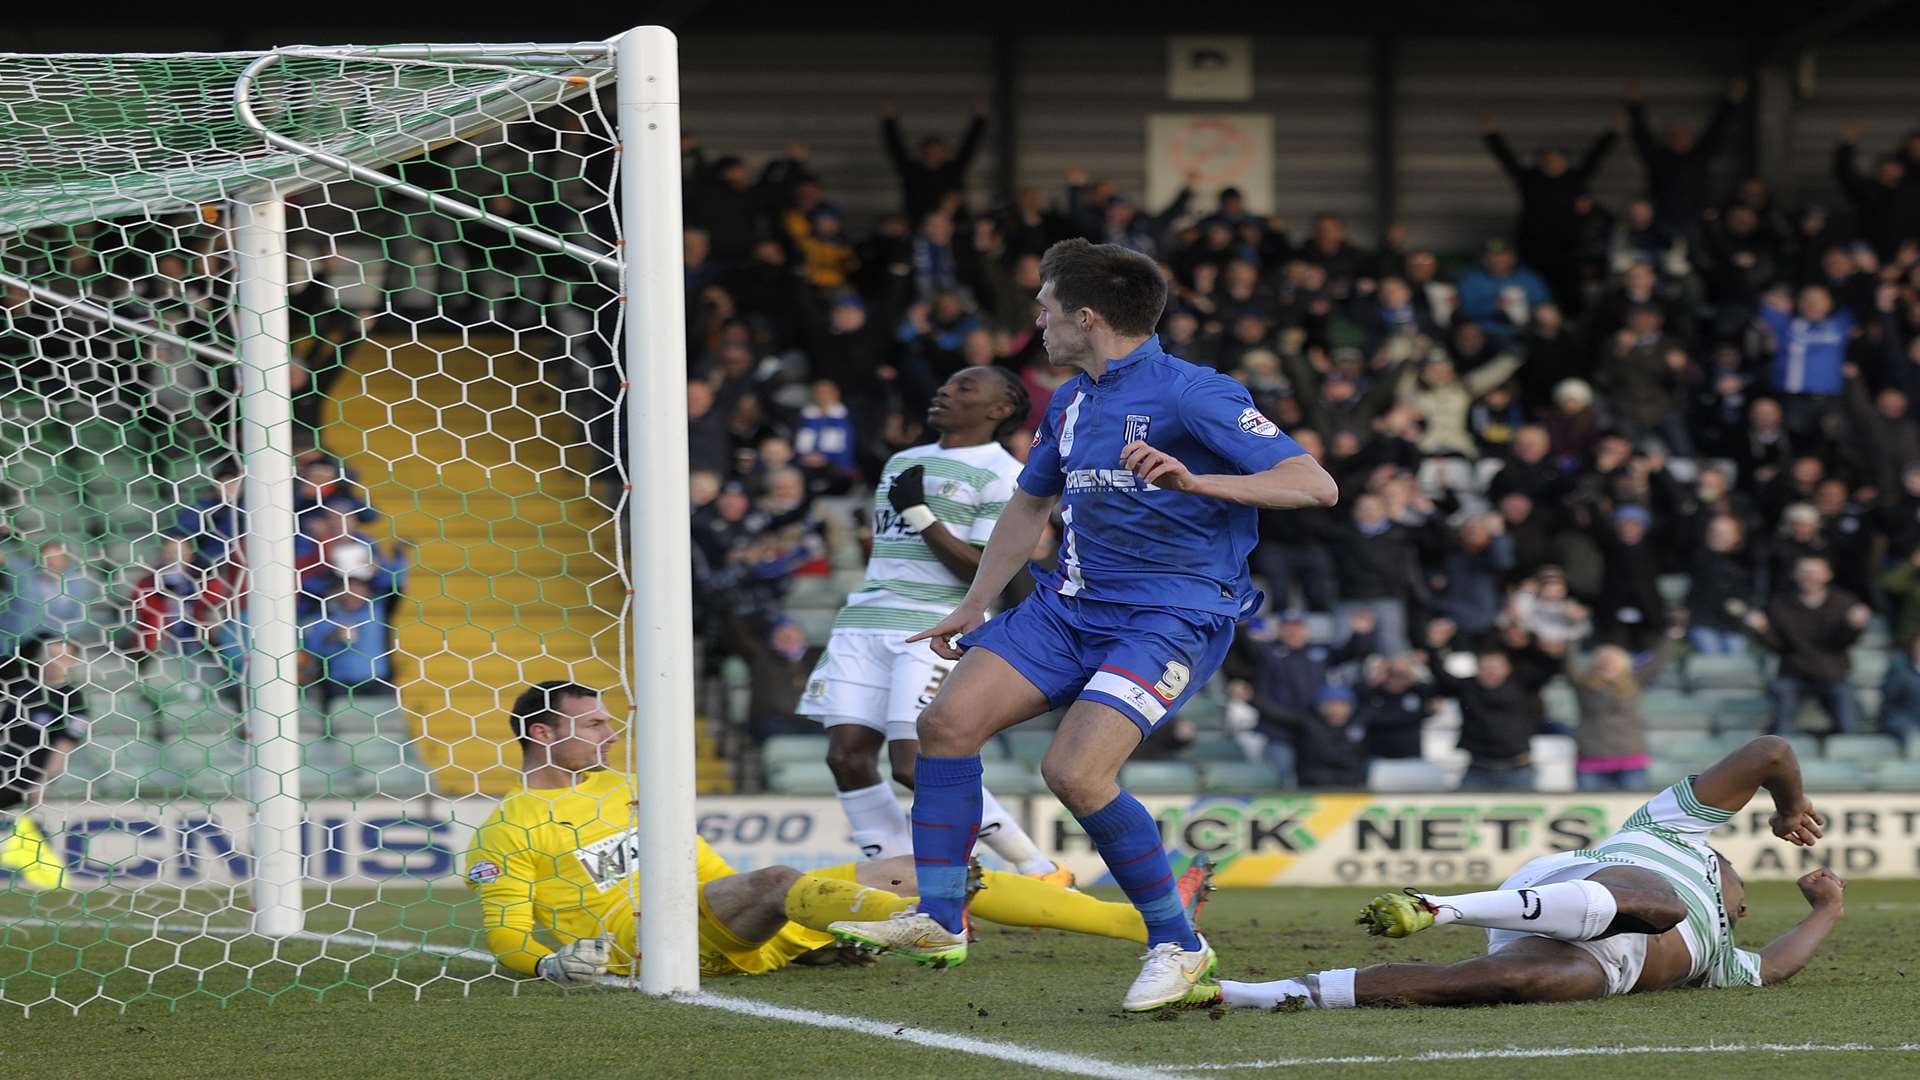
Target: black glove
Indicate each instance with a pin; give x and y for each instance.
(908, 497)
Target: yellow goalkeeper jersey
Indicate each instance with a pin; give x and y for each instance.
(563, 860)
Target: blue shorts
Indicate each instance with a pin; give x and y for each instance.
(1144, 661)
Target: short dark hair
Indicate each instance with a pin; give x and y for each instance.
(539, 704)
(1018, 397)
(1125, 287)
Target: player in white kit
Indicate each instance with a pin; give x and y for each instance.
(934, 509)
(1652, 907)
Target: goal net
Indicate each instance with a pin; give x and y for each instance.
(311, 425)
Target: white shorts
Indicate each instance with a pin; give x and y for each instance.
(875, 679)
(1621, 956)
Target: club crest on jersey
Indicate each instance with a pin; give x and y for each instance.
(484, 873)
(1253, 423)
(1173, 680)
(817, 689)
(1136, 428)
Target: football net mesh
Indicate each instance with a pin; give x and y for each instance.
(455, 391)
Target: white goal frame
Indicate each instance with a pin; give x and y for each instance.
(653, 336)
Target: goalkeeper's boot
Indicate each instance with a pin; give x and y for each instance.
(1169, 975)
(1195, 887)
(1398, 915)
(27, 858)
(911, 934)
(1059, 875)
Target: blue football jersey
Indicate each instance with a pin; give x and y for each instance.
(1128, 542)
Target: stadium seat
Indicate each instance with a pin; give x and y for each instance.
(784, 748)
(1028, 745)
(1239, 778)
(1012, 778)
(800, 778)
(994, 750)
(1708, 671)
(1686, 745)
(1159, 778)
(1897, 776)
(1805, 747)
(210, 770)
(1863, 749)
(1215, 749)
(390, 768)
(1405, 774)
(1869, 666)
(1741, 713)
(1665, 772)
(1832, 776)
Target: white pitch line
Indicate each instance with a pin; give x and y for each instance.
(1052, 1060)
(1057, 1061)
(1523, 1053)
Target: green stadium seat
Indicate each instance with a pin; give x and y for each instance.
(1869, 666)
(390, 767)
(994, 750)
(1832, 776)
(1406, 774)
(1007, 777)
(1805, 747)
(1863, 749)
(1671, 710)
(1159, 778)
(1239, 778)
(784, 748)
(1561, 702)
(1215, 749)
(1027, 744)
(1897, 776)
(1741, 713)
(1206, 711)
(800, 778)
(1686, 745)
(210, 770)
(1664, 772)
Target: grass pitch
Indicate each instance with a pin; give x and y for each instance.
(341, 1010)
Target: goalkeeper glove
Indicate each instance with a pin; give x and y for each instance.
(908, 497)
(579, 961)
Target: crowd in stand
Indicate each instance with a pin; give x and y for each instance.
(1702, 382)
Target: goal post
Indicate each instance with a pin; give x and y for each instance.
(454, 270)
(649, 103)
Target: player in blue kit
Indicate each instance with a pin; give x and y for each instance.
(1160, 468)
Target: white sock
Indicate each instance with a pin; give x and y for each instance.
(1336, 988)
(1568, 911)
(1008, 840)
(1328, 990)
(880, 827)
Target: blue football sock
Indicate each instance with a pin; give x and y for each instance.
(946, 821)
(1126, 837)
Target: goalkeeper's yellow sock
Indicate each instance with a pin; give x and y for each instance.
(842, 872)
(1015, 900)
(817, 902)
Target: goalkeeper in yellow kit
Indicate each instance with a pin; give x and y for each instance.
(556, 858)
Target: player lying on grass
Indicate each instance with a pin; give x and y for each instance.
(1651, 907)
(559, 854)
